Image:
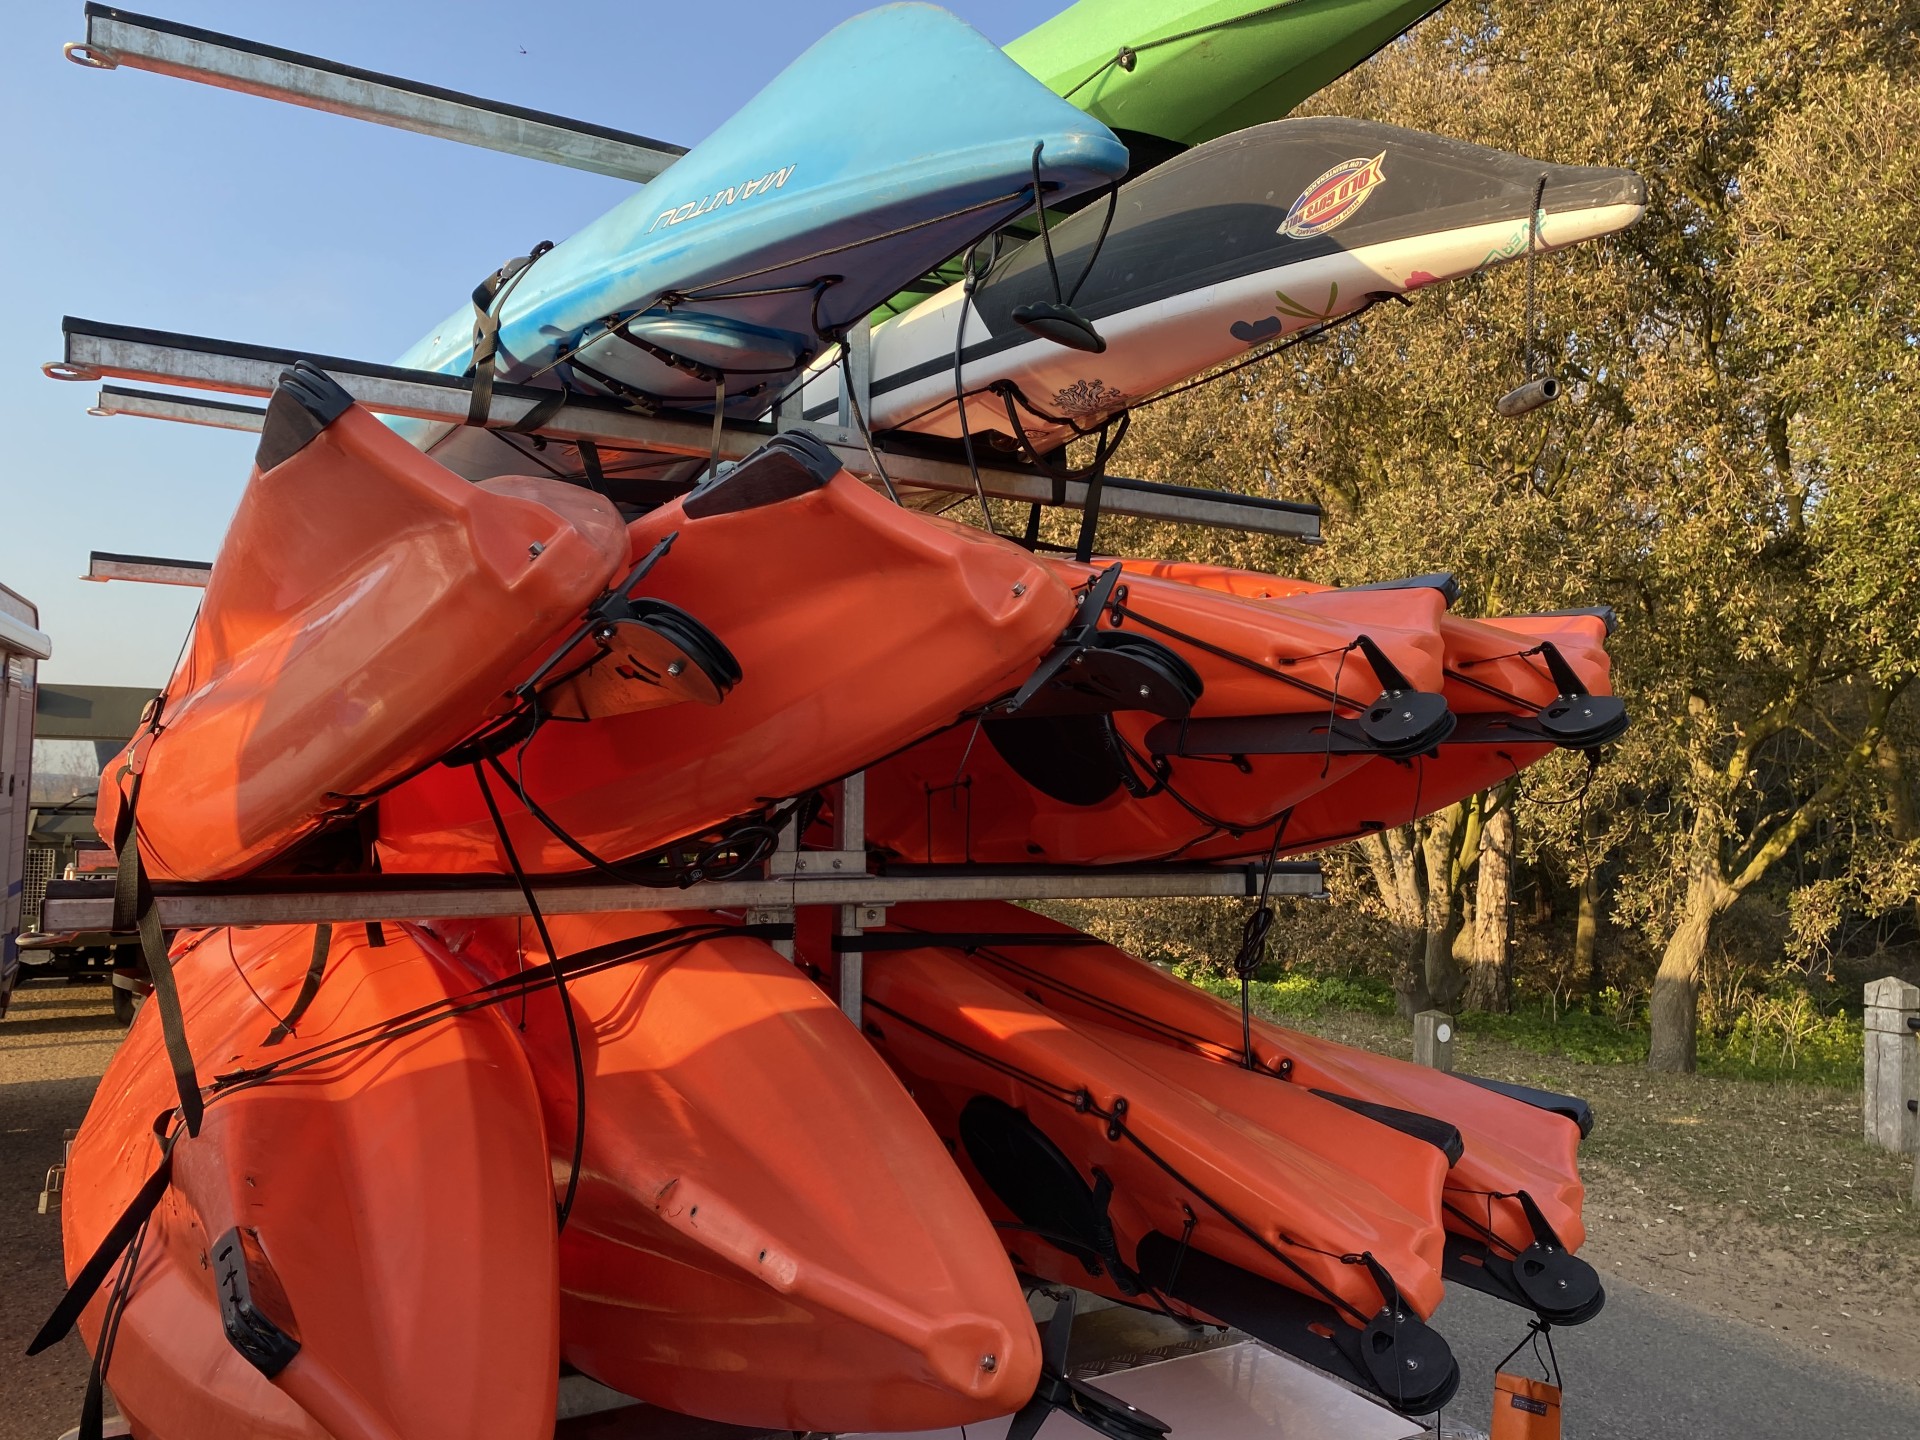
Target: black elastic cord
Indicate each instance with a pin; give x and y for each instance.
(1253, 940)
(560, 988)
(489, 303)
(309, 984)
(970, 278)
(860, 417)
(1040, 213)
(1537, 1330)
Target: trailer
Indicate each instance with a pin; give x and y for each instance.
(77, 730)
(1127, 1373)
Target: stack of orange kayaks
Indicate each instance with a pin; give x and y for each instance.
(371, 609)
(1520, 685)
(1502, 1174)
(1154, 1177)
(1321, 714)
(359, 1241)
(438, 1161)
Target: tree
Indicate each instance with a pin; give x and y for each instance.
(1731, 470)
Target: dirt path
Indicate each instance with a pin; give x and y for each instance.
(1754, 1201)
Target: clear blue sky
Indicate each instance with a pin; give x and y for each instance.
(143, 200)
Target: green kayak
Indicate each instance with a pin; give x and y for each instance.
(1165, 75)
(1188, 71)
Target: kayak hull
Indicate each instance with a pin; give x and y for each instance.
(320, 666)
(1027, 791)
(1507, 1146)
(858, 627)
(766, 1232)
(1229, 247)
(847, 175)
(396, 1199)
(1184, 1158)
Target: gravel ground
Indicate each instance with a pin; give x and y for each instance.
(54, 1043)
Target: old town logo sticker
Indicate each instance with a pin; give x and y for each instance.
(1334, 197)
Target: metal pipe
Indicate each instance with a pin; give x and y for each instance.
(119, 39)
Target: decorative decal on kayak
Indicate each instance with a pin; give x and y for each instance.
(1088, 397)
(772, 180)
(1516, 243)
(1255, 331)
(1334, 197)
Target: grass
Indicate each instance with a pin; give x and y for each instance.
(1804, 1049)
(1787, 1155)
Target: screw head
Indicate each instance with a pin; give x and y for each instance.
(989, 1362)
(1145, 692)
(676, 667)
(1019, 588)
(535, 550)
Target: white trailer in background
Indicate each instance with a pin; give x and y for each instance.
(22, 647)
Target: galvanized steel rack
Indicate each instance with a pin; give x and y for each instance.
(843, 877)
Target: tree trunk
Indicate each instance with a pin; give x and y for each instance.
(1490, 982)
(1586, 933)
(1395, 870)
(1444, 978)
(1675, 1010)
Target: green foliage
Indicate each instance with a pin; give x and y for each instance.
(1772, 1039)
(1301, 994)
(1732, 468)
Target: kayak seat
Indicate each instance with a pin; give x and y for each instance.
(714, 344)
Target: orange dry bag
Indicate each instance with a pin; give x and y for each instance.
(1525, 1409)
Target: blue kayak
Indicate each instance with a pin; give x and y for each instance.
(894, 142)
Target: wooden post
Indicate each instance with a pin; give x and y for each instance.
(1893, 1064)
(1433, 1039)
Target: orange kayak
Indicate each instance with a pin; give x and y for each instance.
(1086, 788)
(1512, 1197)
(1117, 1165)
(388, 1211)
(1508, 678)
(858, 627)
(368, 609)
(766, 1231)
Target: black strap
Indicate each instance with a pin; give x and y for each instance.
(112, 1245)
(590, 463)
(489, 299)
(309, 986)
(133, 908)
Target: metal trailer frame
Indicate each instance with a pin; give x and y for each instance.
(844, 877)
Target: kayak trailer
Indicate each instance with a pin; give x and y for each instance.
(1122, 1372)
